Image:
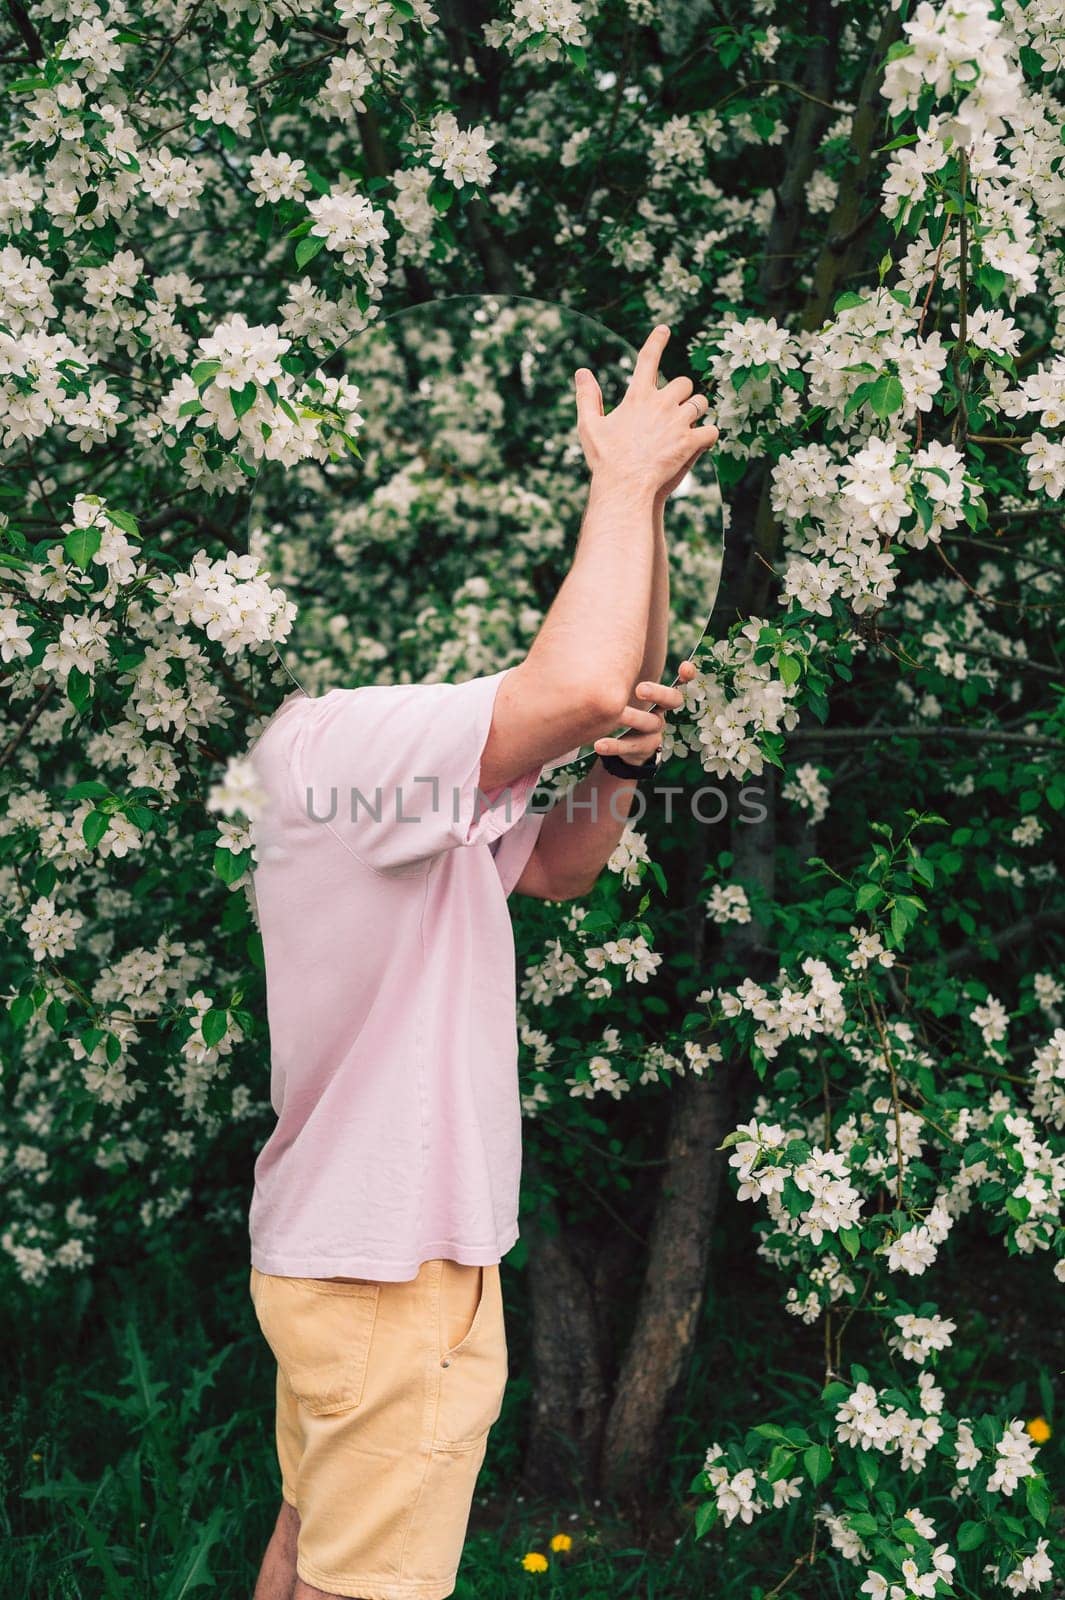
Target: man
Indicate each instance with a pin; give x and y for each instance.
(396, 827)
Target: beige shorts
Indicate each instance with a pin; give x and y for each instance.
(385, 1396)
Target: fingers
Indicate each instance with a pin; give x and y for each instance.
(589, 396)
(645, 372)
(645, 736)
(660, 694)
(635, 750)
(641, 720)
(677, 390)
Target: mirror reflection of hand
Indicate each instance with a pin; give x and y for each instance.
(647, 440)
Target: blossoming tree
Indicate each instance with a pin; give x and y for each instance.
(843, 990)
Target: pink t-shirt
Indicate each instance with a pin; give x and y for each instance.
(381, 887)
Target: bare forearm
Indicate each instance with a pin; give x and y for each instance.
(578, 836)
(596, 627)
(657, 639)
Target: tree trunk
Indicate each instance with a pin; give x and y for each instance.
(567, 1348)
(671, 1295)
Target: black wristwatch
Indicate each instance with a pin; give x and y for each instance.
(618, 767)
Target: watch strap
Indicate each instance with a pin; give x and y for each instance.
(618, 767)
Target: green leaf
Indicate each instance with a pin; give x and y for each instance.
(848, 300)
(204, 371)
(228, 866)
(21, 1010)
(886, 395)
(81, 545)
(818, 1463)
(868, 1466)
(88, 789)
(790, 668)
(79, 688)
(705, 1517)
(126, 521)
(992, 280)
(242, 400)
(971, 1535)
(308, 248)
(851, 1240)
(94, 827)
(213, 1026)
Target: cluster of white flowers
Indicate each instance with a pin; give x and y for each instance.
(351, 225)
(868, 1421)
(749, 358)
(605, 1079)
(231, 600)
(1012, 1462)
(789, 1012)
(225, 104)
(538, 30)
(763, 1164)
(1031, 1572)
(634, 955)
(629, 856)
(957, 48)
(554, 975)
(738, 1494)
(806, 789)
(992, 1019)
(918, 1579)
(1047, 1075)
(50, 932)
(344, 91)
(915, 1249)
(460, 154)
(919, 1336)
(730, 702)
(275, 175)
(868, 947)
(240, 792)
(282, 419)
(842, 513)
(828, 1282)
(727, 902)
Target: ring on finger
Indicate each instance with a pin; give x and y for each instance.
(699, 401)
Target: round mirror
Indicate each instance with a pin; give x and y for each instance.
(433, 549)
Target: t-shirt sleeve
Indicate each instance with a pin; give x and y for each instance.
(512, 849)
(394, 769)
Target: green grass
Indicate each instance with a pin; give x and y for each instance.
(137, 1457)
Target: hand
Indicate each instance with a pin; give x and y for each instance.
(650, 441)
(646, 736)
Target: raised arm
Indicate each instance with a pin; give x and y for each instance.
(592, 647)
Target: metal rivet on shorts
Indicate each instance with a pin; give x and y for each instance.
(445, 1363)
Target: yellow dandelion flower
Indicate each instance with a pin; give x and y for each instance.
(534, 1561)
(1039, 1429)
(561, 1541)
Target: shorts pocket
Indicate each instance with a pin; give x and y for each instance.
(473, 1373)
(320, 1331)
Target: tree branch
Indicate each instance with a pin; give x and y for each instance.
(970, 735)
(1038, 922)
